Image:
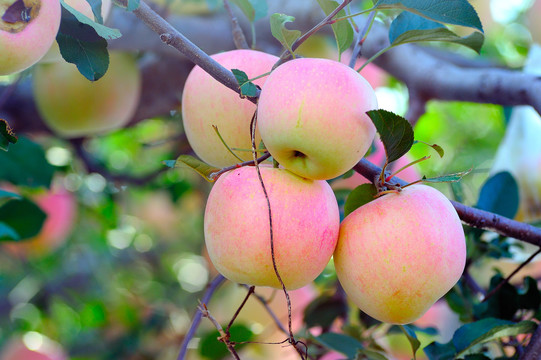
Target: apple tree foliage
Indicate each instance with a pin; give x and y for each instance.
(126, 283)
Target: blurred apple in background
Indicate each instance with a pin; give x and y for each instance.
(60, 207)
(534, 21)
(32, 346)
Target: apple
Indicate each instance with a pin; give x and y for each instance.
(398, 254)
(60, 207)
(73, 107)
(206, 102)
(312, 117)
(32, 346)
(533, 21)
(53, 55)
(305, 224)
(24, 41)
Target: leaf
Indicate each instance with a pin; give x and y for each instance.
(22, 216)
(7, 194)
(438, 351)
(342, 343)
(7, 136)
(447, 178)
(247, 88)
(412, 338)
(486, 330)
(358, 197)
(8, 233)
(456, 12)
(343, 31)
(252, 9)
(278, 29)
(409, 27)
(395, 132)
(102, 30)
(80, 45)
(132, 5)
(25, 164)
(96, 6)
(323, 310)
(499, 194)
(202, 168)
(529, 297)
(211, 348)
(365, 354)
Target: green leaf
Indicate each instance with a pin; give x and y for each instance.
(437, 351)
(358, 197)
(252, 9)
(25, 164)
(365, 354)
(408, 28)
(211, 348)
(343, 31)
(7, 136)
(22, 216)
(8, 233)
(133, 5)
(278, 29)
(529, 297)
(486, 330)
(247, 88)
(447, 178)
(96, 6)
(499, 194)
(412, 338)
(456, 12)
(102, 30)
(342, 343)
(80, 45)
(323, 310)
(395, 132)
(9, 195)
(202, 168)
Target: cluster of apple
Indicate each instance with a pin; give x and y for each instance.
(394, 256)
(70, 105)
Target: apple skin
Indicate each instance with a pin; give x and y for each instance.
(398, 254)
(72, 106)
(24, 47)
(60, 207)
(206, 102)
(305, 222)
(15, 349)
(312, 117)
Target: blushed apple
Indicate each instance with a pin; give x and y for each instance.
(72, 106)
(305, 223)
(60, 207)
(398, 254)
(24, 41)
(312, 117)
(206, 102)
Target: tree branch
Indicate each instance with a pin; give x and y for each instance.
(473, 217)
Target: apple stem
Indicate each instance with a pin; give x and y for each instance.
(224, 143)
(407, 166)
(251, 290)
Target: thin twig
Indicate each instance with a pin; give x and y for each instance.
(211, 288)
(253, 125)
(326, 21)
(508, 278)
(360, 39)
(250, 292)
(224, 335)
(238, 35)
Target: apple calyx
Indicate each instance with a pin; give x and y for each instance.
(17, 14)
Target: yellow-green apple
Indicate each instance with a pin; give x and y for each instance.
(53, 55)
(206, 102)
(60, 207)
(373, 74)
(312, 117)
(398, 254)
(305, 224)
(32, 346)
(72, 106)
(26, 33)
